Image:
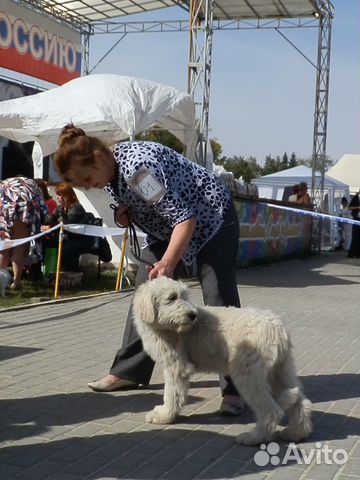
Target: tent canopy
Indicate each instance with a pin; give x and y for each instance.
(273, 185)
(298, 174)
(111, 107)
(347, 170)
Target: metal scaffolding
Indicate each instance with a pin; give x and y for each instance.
(320, 122)
(321, 107)
(199, 68)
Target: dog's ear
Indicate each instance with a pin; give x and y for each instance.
(144, 303)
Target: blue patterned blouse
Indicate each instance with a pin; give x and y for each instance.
(163, 188)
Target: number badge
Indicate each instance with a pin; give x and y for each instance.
(147, 186)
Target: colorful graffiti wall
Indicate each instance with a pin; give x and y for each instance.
(268, 233)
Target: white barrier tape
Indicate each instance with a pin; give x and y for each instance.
(316, 214)
(93, 230)
(5, 244)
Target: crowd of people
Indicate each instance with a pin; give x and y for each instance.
(349, 235)
(26, 209)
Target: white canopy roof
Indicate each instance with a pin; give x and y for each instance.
(347, 170)
(111, 107)
(292, 176)
(273, 185)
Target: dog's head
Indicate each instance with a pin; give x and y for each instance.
(163, 304)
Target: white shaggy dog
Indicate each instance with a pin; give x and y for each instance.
(250, 345)
(5, 279)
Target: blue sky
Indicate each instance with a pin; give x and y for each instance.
(262, 89)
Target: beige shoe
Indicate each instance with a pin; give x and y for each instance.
(102, 386)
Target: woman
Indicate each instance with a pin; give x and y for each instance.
(70, 211)
(22, 209)
(50, 202)
(187, 214)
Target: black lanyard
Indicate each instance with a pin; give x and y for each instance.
(133, 240)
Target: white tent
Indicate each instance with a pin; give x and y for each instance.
(274, 185)
(112, 107)
(347, 170)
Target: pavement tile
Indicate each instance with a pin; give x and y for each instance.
(55, 428)
(352, 467)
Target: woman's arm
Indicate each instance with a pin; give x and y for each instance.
(54, 218)
(178, 245)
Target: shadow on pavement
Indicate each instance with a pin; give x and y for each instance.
(329, 388)
(141, 455)
(35, 416)
(9, 351)
(63, 316)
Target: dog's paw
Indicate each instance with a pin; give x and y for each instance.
(290, 435)
(159, 415)
(249, 438)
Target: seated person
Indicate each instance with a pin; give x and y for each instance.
(293, 197)
(50, 202)
(71, 211)
(303, 198)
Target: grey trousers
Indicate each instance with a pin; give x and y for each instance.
(216, 270)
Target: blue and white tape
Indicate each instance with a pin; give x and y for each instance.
(316, 214)
(93, 230)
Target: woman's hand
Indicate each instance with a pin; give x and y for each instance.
(178, 245)
(122, 216)
(161, 268)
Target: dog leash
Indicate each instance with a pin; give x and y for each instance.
(133, 240)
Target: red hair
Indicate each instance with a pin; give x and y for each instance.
(67, 192)
(76, 149)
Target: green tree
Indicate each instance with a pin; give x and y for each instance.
(241, 167)
(328, 163)
(162, 136)
(216, 148)
(285, 160)
(272, 165)
(293, 161)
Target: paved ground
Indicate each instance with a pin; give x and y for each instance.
(53, 427)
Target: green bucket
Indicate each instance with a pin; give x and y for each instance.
(50, 260)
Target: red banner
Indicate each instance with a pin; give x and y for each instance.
(32, 44)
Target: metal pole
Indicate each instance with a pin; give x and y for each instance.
(121, 264)
(58, 265)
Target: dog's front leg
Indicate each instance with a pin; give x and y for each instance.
(175, 393)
